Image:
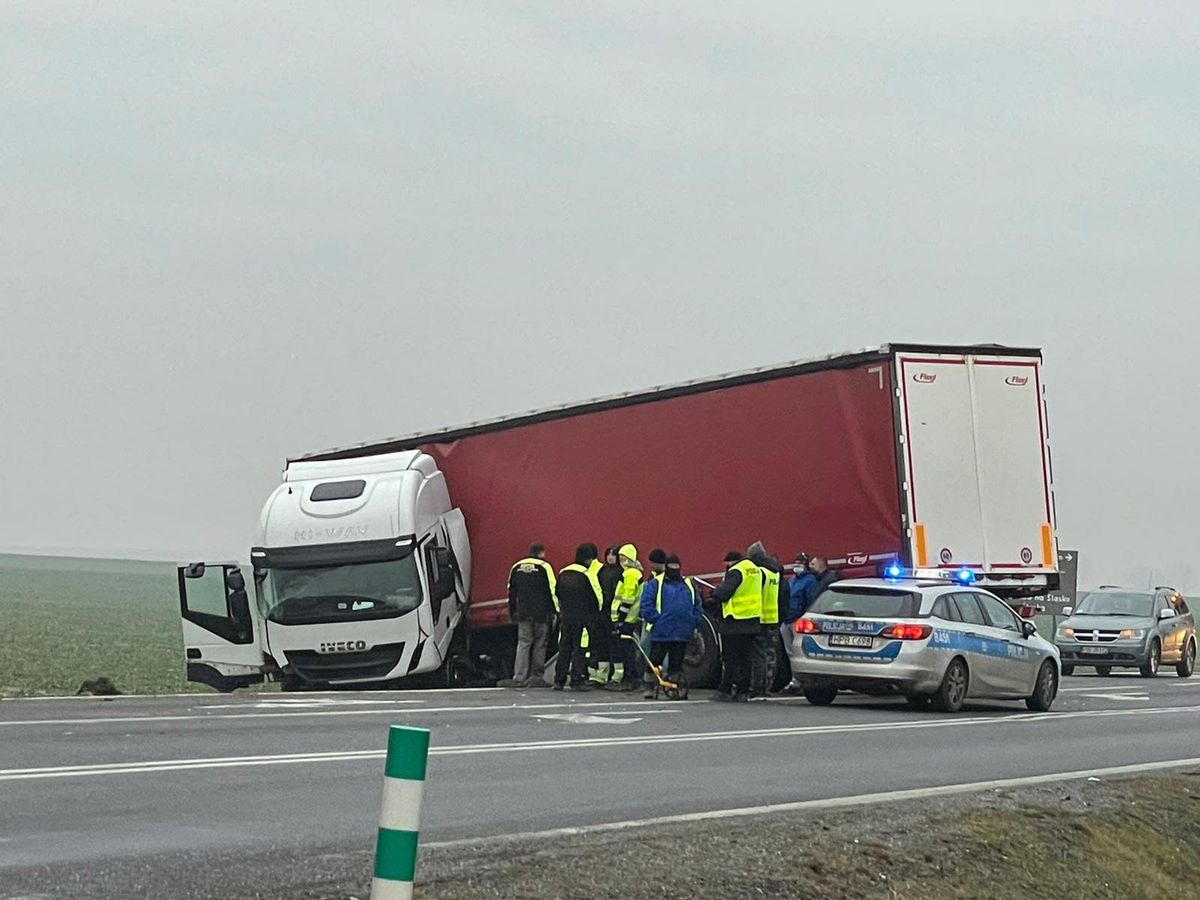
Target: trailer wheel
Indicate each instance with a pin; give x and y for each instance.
(702, 661)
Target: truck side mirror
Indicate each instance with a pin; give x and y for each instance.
(193, 570)
(445, 573)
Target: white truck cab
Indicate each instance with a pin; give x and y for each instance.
(361, 574)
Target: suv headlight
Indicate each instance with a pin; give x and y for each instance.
(1064, 632)
(1133, 634)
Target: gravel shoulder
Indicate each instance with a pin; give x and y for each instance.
(1118, 839)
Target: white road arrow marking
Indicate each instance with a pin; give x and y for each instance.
(589, 719)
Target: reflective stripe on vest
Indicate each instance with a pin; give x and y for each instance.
(746, 602)
(658, 598)
(770, 603)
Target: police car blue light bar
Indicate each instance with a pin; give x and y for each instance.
(964, 576)
(893, 571)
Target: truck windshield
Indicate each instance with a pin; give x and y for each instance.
(1114, 604)
(867, 604)
(339, 593)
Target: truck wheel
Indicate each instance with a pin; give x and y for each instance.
(1068, 670)
(953, 689)
(1150, 669)
(820, 695)
(1187, 663)
(1045, 689)
(702, 660)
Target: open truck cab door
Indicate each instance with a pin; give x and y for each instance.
(220, 626)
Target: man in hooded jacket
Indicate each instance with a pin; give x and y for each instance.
(625, 620)
(579, 599)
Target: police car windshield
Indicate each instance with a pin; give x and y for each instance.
(1105, 603)
(866, 603)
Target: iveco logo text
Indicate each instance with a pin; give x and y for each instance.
(924, 378)
(1017, 380)
(342, 646)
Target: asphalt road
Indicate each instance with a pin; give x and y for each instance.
(166, 786)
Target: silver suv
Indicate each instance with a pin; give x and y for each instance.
(1139, 629)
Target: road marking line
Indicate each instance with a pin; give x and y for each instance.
(1144, 697)
(1115, 687)
(201, 695)
(827, 803)
(590, 718)
(317, 713)
(126, 768)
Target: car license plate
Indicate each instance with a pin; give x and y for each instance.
(1097, 651)
(850, 640)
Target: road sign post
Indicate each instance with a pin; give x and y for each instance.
(400, 814)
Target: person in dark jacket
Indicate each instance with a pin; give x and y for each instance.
(765, 660)
(531, 586)
(824, 575)
(600, 632)
(801, 589)
(579, 597)
(740, 598)
(671, 609)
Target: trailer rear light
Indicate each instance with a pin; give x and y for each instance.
(806, 626)
(907, 632)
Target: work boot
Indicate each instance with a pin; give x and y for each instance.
(740, 698)
(509, 683)
(650, 693)
(580, 688)
(615, 686)
(721, 697)
(558, 687)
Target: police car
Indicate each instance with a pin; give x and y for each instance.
(934, 641)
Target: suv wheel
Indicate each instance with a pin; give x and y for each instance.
(1045, 689)
(1187, 663)
(953, 689)
(1150, 669)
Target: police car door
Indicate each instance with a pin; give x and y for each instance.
(980, 645)
(1019, 667)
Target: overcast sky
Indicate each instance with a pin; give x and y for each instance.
(233, 232)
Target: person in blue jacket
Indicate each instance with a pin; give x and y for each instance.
(802, 588)
(671, 608)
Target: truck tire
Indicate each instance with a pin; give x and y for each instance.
(953, 690)
(702, 661)
(1150, 669)
(1045, 689)
(1187, 662)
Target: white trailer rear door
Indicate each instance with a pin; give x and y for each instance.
(976, 463)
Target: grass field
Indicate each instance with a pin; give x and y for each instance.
(65, 620)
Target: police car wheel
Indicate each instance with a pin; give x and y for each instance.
(1044, 690)
(820, 695)
(953, 689)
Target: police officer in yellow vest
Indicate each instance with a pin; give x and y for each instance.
(741, 597)
(625, 619)
(765, 660)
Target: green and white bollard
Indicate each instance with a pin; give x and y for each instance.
(400, 817)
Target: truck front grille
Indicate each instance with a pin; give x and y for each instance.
(359, 664)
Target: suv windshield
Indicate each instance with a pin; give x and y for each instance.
(841, 601)
(339, 593)
(1106, 603)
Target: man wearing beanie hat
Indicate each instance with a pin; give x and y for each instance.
(671, 608)
(740, 595)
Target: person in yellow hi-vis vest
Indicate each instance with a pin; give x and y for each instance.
(765, 661)
(740, 595)
(625, 619)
